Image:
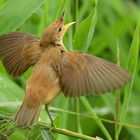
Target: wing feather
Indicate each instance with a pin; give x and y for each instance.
(83, 74)
(19, 51)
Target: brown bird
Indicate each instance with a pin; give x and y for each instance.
(55, 69)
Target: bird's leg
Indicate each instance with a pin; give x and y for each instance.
(52, 122)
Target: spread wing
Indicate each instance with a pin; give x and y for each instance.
(83, 74)
(18, 52)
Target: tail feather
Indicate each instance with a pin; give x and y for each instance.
(27, 116)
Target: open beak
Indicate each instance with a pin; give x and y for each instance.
(65, 27)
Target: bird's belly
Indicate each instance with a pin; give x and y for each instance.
(43, 86)
(52, 94)
(51, 89)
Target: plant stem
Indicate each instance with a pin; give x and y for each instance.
(66, 132)
(75, 10)
(117, 98)
(75, 5)
(54, 130)
(99, 123)
(91, 117)
(78, 116)
(117, 110)
(132, 66)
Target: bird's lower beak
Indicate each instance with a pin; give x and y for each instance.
(67, 26)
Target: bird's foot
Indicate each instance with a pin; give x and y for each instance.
(52, 127)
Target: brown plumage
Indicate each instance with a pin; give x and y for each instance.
(15, 50)
(83, 74)
(55, 69)
(42, 88)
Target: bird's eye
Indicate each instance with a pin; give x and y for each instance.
(60, 29)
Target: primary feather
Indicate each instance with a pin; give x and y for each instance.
(82, 74)
(19, 51)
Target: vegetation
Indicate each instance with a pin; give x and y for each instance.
(106, 28)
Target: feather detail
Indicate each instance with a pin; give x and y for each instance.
(19, 51)
(83, 74)
(27, 116)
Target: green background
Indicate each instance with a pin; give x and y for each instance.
(106, 28)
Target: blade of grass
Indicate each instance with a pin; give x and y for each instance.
(117, 98)
(75, 5)
(2, 2)
(95, 117)
(85, 31)
(9, 89)
(63, 120)
(55, 9)
(15, 18)
(77, 107)
(132, 65)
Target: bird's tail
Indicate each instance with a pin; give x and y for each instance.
(26, 115)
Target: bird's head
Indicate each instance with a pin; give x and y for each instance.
(54, 33)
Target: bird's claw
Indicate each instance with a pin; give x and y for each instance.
(52, 127)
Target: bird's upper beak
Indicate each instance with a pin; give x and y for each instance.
(65, 27)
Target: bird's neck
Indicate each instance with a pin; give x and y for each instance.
(52, 54)
(46, 44)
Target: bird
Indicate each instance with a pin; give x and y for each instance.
(55, 70)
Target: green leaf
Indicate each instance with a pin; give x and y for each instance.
(132, 66)
(99, 123)
(2, 2)
(57, 7)
(9, 90)
(14, 13)
(134, 52)
(84, 33)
